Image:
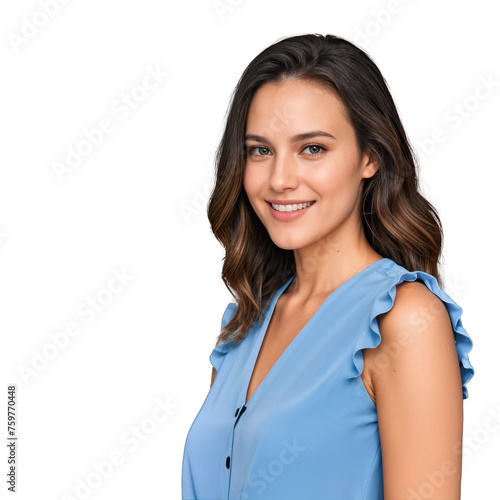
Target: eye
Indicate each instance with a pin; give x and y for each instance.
(317, 150)
(256, 148)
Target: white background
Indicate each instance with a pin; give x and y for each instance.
(136, 204)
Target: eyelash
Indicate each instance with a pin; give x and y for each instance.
(323, 150)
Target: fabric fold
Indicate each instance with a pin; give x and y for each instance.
(370, 337)
(221, 349)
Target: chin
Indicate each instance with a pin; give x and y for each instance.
(287, 241)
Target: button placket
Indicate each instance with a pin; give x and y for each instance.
(237, 415)
(239, 412)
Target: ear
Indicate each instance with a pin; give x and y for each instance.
(370, 164)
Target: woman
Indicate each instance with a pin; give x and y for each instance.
(343, 352)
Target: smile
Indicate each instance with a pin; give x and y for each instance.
(291, 208)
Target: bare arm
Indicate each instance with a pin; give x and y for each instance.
(419, 401)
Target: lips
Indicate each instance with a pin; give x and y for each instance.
(294, 207)
(289, 214)
(289, 202)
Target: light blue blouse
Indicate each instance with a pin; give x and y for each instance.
(310, 429)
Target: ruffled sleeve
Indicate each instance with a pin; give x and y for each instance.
(220, 350)
(384, 301)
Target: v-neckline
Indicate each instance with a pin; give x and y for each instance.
(267, 319)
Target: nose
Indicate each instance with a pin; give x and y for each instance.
(284, 174)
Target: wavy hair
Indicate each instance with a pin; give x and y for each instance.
(398, 221)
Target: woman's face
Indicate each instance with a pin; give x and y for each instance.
(325, 167)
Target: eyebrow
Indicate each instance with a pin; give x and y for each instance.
(295, 138)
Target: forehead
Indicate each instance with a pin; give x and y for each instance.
(295, 104)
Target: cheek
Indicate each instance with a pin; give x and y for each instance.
(254, 186)
(337, 184)
(328, 181)
(253, 182)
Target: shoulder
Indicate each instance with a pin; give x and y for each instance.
(415, 312)
(414, 308)
(417, 345)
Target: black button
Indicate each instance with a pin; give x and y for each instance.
(240, 410)
(237, 410)
(228, 460)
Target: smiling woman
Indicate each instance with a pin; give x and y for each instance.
(342, 351)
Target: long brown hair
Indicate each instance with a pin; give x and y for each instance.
(398, 221)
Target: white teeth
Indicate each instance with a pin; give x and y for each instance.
(291, 208)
